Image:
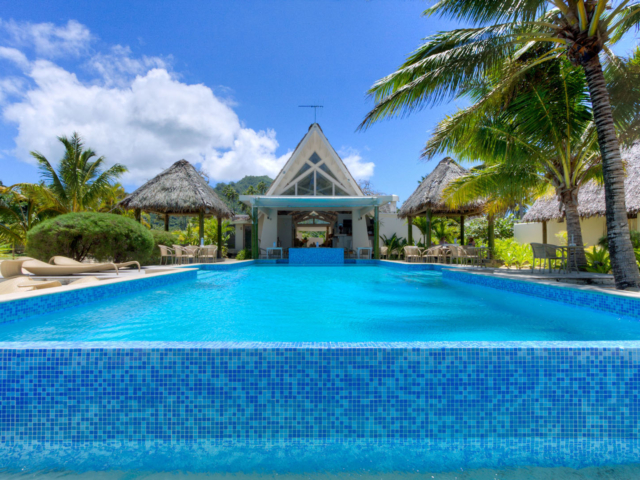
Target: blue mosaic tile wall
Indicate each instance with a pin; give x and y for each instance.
(316, 256)
(611, 303)
(88, 393)
(16, 309)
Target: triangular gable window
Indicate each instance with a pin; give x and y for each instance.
(303, 169)
(306, 186)
(326, 170)
(315, 158)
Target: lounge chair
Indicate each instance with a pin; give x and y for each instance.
(60, 261)
(12, 268)
(24, 284)
(39, 268)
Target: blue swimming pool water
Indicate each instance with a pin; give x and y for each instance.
(322, 304)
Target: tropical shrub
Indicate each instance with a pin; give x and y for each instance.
(598, 260)
(478, 228)
(244, 254)
(512, 253)
(394, 245)
(102, 236)
(635, 240)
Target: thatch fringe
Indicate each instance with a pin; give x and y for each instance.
(591, 196)
(429, 195)
(179, 190)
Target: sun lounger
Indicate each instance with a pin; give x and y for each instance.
(66, 261)
(24, 284)
(12, 268)
(39, 268)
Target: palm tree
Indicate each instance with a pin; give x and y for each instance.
(503, 32)
(536, 135)
(262, 188)
(79, 182)
(22, 207)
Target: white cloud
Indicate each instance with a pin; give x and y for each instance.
(48, 40)
(14, 55)
(360, 169)
(134, 111)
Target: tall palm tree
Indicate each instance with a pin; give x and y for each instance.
(503, 31)
(79, 181)
(535, 135)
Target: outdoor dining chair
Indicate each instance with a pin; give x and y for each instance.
(412, 253)
(208, 253)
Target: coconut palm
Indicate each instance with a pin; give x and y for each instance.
(536, 135)
(79, 181)
(22, 207)
(503, 32)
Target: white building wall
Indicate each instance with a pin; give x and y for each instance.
(593, 229)
(239, 237)
(269, 231)
(360, 235)
(390, 223)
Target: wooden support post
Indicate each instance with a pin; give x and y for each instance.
(376, 233)
(428, 229)
(254, 234)
(201, 229)
(544, 232)
(410, 231)
(219, 237)
(166, 222)
(138, 215)
(491, 240)
(462, 230)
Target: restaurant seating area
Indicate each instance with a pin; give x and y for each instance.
(449, 254)
(179, 255)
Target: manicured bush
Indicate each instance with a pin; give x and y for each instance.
(513, 254)
(103, 236)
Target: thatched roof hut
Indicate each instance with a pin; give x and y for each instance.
(429, 195)
(179, 190)
(591, 196)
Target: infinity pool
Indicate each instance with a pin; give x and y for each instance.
(322, 304)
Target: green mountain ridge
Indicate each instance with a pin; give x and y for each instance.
(241, 187)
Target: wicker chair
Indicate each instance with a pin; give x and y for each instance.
(412, 253)
(166, 254)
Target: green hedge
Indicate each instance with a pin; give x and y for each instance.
(103, 236)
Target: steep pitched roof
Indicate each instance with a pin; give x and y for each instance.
(429, 195)
(313, 141)
(179, 190)
(591, 196)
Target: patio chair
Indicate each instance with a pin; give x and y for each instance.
(432, 253)
(412, 253)
(191, 252)
(166, 254)
(459, 254)
(384, 252)
(180, 254)
(208, 253)
(554, 254)
(58, 260)
(539, 256)
(473, 255)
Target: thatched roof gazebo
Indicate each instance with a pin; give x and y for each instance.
(428, 199)
(591, 201)
(179, 191)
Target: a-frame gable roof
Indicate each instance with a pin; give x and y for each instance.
(315, 151)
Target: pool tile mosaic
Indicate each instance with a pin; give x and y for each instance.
(16, 309)
(610, 303)
(316, 256)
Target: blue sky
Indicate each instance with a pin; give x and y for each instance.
(217, 83)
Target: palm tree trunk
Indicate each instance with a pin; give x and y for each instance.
(568, 198)
(623, 260)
